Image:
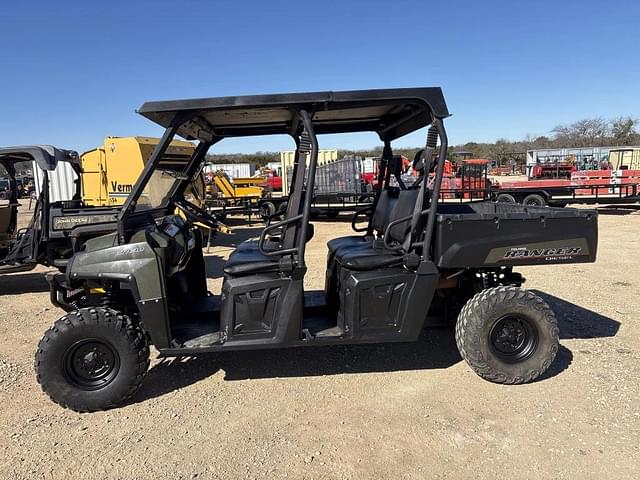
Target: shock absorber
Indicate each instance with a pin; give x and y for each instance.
(305, 142)
(430, 147)
(108, 299)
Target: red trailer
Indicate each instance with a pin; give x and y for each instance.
(621, 184)
(618, 185)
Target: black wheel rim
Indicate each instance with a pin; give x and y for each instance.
(91, 364)
(513, 338)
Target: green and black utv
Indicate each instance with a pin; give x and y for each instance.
(146, 283)
(56, 228)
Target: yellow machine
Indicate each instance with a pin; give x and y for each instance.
(225, 188)
(110, 171)
(249, 182)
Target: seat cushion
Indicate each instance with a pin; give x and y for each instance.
(244, 262)
(363, 259)
(339, 243)
(247, 245)
(252, 246)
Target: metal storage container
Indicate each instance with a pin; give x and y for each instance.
(234, 170)
(61, 181)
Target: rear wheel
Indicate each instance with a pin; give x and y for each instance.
(507, 335)
(534, 200)
(92, 359)
(505, 198)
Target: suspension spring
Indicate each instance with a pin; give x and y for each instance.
(109, 296)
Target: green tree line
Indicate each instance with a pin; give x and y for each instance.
(598, 132)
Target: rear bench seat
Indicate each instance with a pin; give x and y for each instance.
(379, 222)
(354, 252)
(246, 258)
(373, 255)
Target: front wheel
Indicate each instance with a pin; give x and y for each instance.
(505, 198)
(92, 359)
(507, 335)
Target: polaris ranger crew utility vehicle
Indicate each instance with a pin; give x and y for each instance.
(416, 259)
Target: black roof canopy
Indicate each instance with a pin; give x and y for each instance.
(45, 156)
(392, 113)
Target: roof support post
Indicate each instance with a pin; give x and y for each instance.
(295, 185)
(435, 193)
(309, 136)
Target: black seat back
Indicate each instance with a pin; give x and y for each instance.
(297, 194)
(403, 207)
(384, 207)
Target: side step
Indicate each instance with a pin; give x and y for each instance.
(203, 341)
(332, 332)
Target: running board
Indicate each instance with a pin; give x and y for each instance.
(203, 341)
(17, 267)
(332, 332)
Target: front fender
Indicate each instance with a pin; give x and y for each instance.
(137, 268)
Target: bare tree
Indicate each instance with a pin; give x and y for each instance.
(623, 131)
(583, 133)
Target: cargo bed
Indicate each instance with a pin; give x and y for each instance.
(489, 234)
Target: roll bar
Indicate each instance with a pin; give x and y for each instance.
(308, 142)
(433, 202)
(308, 198)
(435, 193)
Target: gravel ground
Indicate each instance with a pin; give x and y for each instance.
(389, 411)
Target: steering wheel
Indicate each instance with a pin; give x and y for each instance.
(197, 214)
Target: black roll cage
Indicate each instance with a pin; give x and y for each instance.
(391, 113)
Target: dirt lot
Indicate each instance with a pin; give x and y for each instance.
(394, 411)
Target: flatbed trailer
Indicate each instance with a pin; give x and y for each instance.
(620, 183)
(340, 188)
(621, 186)
(587, 187)
(552, 195)
(328, 205)
(579, 194)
